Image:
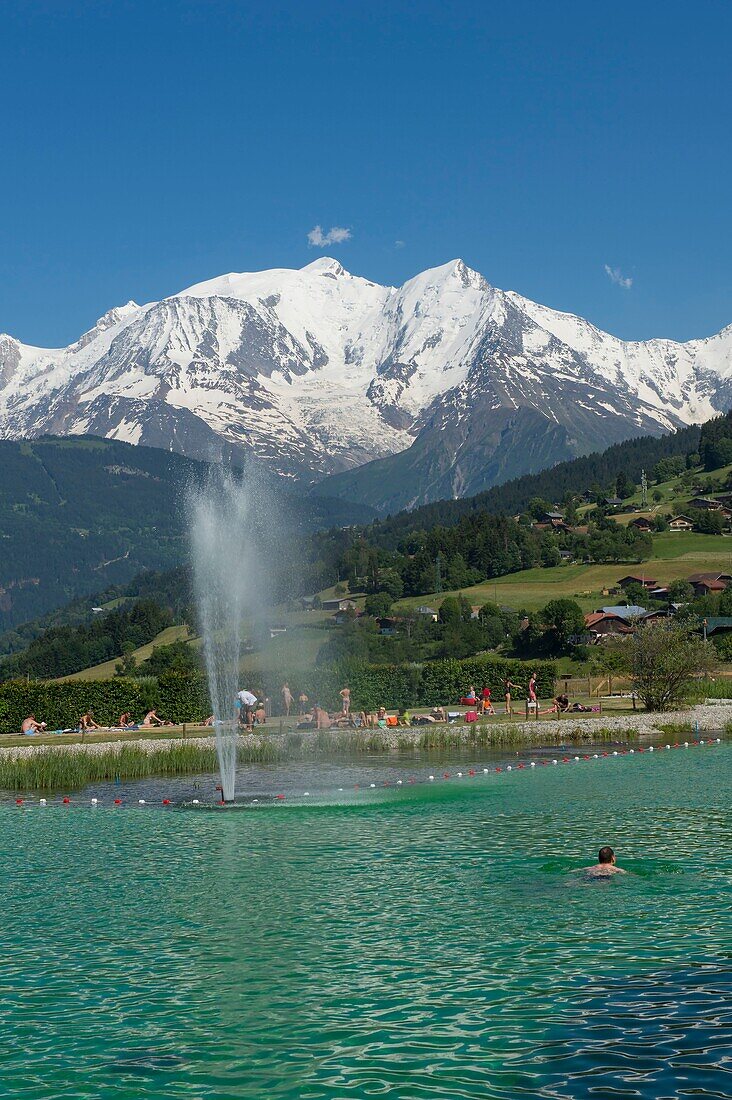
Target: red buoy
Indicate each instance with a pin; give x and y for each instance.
(166, 802)
(66, 800)
(19, 802)
(118, 801)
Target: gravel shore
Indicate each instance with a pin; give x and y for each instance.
(710, 717)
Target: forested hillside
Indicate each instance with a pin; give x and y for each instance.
(598, 471)
(80, 514)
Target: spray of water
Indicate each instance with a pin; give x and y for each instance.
(228, 581)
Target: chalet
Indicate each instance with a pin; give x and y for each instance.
(641, 524)
(338, 605)
(550, 517)
(680, 523)
(600, 625)
(612, 502)
(705, 584)
(621, 611)
(553, 525)
(647, 582)
(705, 505)
(566, 555)
(424, 610)
(387, 627)
(346, 615)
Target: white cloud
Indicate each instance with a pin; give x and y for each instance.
(616, 276)
(337, 234)
(399, 244)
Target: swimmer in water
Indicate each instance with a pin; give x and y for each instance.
(605, 866)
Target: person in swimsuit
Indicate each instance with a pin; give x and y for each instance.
(30, 726)
(507, 687)
(346, 699)
(605, 866)
(533, 702)
(286, 699)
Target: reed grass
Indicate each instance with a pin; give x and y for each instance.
(514, 735)
(68, 768)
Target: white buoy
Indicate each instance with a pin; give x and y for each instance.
(432, 779)
(141, 801)
(631, 751)
(576, 757)
(372, 784)
(196, 802)
(719, 740)
(255, 800)
(555, 761)
(686, 744)
(485, 771)
(701, 742)
(509, 768)
(94, 801)
(307, 794)
(650, 748)
(615, 753)
(399, 782)
(668, 746)
(460, 775)
(532, 764)
(42, 801)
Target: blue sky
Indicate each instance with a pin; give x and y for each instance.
(562, 149)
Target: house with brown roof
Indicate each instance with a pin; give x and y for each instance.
(680, 523)
(601, 624)
(705, 584)
(647, 582)
(641, 524)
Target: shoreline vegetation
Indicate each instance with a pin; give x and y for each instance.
(70, 766)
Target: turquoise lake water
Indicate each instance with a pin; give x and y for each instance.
(424, 942)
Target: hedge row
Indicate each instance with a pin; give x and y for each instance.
(184, 698)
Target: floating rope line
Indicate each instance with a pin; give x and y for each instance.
(411, 780)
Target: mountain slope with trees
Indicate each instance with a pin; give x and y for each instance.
(82, 513)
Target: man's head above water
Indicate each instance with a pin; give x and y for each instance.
(606, 855)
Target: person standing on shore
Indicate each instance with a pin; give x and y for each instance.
(246, 701)
(286, 699)
(346, 700)
(533, 700)
(508, 686)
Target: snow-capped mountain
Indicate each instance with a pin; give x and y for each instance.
(451, 384)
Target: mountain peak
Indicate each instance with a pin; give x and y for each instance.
(325, 265)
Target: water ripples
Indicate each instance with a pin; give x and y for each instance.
(437, 946)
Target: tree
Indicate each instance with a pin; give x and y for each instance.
(538, 506)
(636, 593)
(624, 486)
(717, 453)
(668, 468)
(725, 601)
(378, 605)
(562, 619)
(661, 658)
(693, 460)
(680, 591)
